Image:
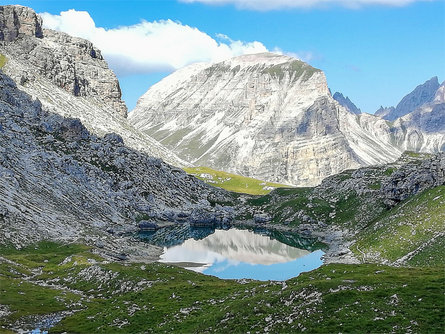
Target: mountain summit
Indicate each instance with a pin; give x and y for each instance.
(346, 102)
(422, 94)
(264, 115)
(69, 76)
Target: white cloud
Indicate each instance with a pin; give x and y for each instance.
(264, 5)
(306, 56)
(150, 46)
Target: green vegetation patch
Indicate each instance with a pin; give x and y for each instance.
(3, 60)
(296, 69)
(411, 227)
(233, 182)
(140, 298)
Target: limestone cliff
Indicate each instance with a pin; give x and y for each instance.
(69, 76)
(421, 95)
(59, 181)
(73, 64)
(346, 102)
(267, 116)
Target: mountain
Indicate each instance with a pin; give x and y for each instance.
(369, 207)
(384, 111)
(423, 129)
(422, 94)
(71, 203)
(266, 116)
(61, 182)
(346, 102)
(69, 77)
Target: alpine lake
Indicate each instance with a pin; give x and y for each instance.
(237, 253)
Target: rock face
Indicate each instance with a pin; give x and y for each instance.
(69, 76)
(266, 116)
(384, 111)
(346, 102)
(412, 179)
(59, 181)
(421, 95)
(422, 130)
(73, 64)
(272, 117)
(18, 21)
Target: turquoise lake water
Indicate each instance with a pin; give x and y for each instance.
(236, 254)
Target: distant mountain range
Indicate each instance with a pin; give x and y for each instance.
(266, 116)
(421, 95)
(272, 117)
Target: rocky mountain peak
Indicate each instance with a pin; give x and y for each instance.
(346, 102)
(18, 21)
(384, 111)
(70, 78)
(263, 115)
(422, 94)
(440, 94)
(71, 63)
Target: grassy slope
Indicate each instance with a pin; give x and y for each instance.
(233, 182)
(411, 233)
(3, 60)
(159, 298)
(416, 226)
(332, 205)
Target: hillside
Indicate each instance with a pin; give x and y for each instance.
(80, 189)
(388, 214)
(69, 76)
(60, 182)
(265, 116)
(233, 182)
(87, 294)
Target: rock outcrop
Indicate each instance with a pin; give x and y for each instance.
(59, 181)
(421, 95)
(19, 21)
(384, 111)
(411, 179)
(266, 116)
(71, 63)
(346, 102)
(70, 77)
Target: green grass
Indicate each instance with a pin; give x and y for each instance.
(3, 60)
(389, 171)
(164, 299)
(232, 182)
(296, 69)
(408, 227)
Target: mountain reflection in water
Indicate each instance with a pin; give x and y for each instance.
(238, 253)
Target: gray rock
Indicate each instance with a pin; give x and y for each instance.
(421, 95)
(413, 178)
(346, 102)
(70, 76)
(19, 21)
(145, 225)
(266, 116)
(59, 181)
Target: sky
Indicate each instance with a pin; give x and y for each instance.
(373, 51)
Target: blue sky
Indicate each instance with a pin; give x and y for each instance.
(375, 54)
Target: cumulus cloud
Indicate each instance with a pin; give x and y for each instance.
(149, 47)
(280, 4)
